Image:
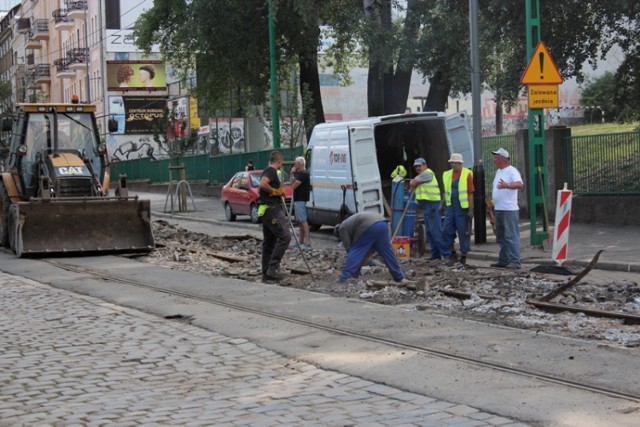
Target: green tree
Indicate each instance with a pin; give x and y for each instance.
(597, 97)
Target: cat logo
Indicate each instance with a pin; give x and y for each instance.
(71, 170)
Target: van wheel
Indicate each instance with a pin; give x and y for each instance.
(229, 213)
(314, 227)
(253, 213)
(5, 203)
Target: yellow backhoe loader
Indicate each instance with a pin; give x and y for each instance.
(54, 191)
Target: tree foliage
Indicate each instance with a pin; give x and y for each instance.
(597, 97)
(228, 39)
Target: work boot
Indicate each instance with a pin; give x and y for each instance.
(454, 254)
(275, 274)
(463, 259)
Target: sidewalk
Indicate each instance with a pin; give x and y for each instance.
(620, 243)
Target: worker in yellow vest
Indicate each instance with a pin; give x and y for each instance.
(458, 206)
(428, 197)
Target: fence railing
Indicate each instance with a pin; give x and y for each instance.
(595, 164)
(200, 167)
(604, 164)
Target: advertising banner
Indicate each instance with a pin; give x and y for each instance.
(136, 75)
(136, 114)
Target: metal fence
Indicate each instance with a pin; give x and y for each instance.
(604, 164)
(200, 167)
(595, 164)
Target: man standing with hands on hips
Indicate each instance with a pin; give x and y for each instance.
(458, 206)
(506, 184)
(275, 232)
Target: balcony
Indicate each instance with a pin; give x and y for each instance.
(61, 20)
(76, 9)
(30, 42)
(62, 69)
(78, 58)
(42, 73)
(40, 30)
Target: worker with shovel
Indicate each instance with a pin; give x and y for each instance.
(506, 184)
(457, 206)
(427, 191)
(275, 232)
(362, 234)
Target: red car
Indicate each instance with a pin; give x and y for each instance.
(241, 194)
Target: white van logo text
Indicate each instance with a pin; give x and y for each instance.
(337, 157)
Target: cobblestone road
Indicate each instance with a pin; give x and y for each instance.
(70, 360)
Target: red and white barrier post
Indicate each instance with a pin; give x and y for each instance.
(561, 232)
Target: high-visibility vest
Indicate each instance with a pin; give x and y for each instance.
(429, 190)
(463, 194)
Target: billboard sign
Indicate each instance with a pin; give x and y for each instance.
(136, 114)
(136, 75)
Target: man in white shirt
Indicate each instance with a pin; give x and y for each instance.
(506, 184)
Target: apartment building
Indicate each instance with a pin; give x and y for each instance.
(51, 50)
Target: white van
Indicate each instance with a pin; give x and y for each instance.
(354, 160)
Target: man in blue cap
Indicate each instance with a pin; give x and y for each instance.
(428, 197)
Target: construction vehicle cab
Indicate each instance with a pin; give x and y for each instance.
(54, 187)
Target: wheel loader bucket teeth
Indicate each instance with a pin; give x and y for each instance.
(77, 226)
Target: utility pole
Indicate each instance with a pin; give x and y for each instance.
(275, 116)
(88, 59)
(480, 216)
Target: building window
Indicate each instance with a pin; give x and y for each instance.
(112, 12)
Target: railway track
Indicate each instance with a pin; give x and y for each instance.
(501, 367)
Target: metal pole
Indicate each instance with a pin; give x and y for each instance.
(275, 116)
(86, 45)
(480, 235)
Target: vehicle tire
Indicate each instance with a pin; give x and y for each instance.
(229, 213)
(5, 204)
(420, 235)
(314, 227)
(253, 213)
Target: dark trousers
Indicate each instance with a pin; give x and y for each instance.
(275, 237)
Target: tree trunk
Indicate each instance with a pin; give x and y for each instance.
(310, 85)
(438, 95)
(499, 113)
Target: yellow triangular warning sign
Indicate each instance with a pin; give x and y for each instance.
(541, 69)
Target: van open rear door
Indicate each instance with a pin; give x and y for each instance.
(364, 167)
(459, 138)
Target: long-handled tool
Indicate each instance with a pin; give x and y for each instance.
(404, 212)
(293, 231)
(547, 244)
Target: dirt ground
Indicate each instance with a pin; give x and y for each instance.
(490, 295)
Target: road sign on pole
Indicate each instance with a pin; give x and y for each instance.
(541, 69)
(543, 96)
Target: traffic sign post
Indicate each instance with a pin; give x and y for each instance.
(542, 77)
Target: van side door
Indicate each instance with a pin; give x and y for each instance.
(367, 185)
(459, 137)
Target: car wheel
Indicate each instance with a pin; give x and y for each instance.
(314, 227)
(229, 213)
(253, 213)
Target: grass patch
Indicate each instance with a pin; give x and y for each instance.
(599, 128)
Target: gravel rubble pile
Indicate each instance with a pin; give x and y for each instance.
(494, 295)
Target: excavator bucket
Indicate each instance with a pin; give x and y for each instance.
(80, 225)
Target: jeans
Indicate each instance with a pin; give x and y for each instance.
(508, 237)
(457, 221)
(433, 224)
(375, 237)
(276, 237)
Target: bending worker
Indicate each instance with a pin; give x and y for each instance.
(361, 234)
(458, 199)
(427, 192)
